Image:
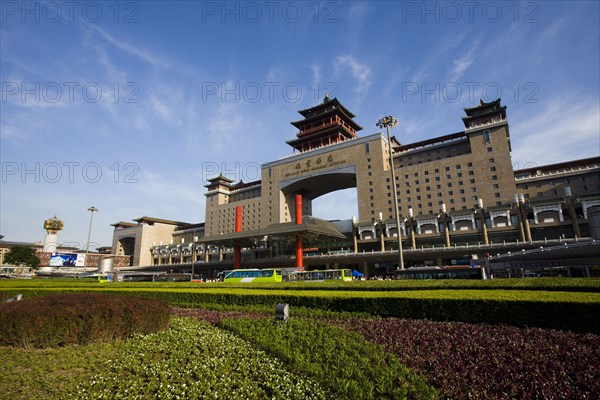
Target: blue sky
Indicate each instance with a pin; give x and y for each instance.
(131, 106)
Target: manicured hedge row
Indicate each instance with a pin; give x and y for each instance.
(343, 362)
(547, 284)
(577, 312)
(60, 319)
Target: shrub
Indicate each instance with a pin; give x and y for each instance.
(57, 320)
(467, 361)
(345, 363)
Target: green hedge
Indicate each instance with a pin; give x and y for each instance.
(61, 319)
(546, 284)
(345, 363)
(577, 312)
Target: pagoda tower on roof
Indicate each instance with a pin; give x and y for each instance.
(219, 183)
(324, 124)
(484, 114)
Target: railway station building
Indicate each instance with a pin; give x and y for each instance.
(452, 191)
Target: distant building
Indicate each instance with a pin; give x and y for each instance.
(148, 237)
(5, 247)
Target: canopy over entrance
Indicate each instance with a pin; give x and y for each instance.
(310, 228)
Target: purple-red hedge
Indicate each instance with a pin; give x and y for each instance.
(468, 361)
(57, 320)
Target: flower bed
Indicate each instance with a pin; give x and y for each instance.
(342, 362)
(194, 360)
(467, 361)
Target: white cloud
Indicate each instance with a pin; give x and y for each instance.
(316, 73)
(138, 52)
(360, 72)
(461, 64)
(566, 129)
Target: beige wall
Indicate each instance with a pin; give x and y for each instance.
(457, 174)
(363, 158)
(145, 236)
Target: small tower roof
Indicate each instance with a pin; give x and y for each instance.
(220, 178)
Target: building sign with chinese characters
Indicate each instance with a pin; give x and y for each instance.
(313, 165)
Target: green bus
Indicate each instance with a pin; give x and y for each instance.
(323, 275)
(254, 275)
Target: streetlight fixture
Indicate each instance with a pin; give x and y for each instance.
(87, 246)
(388, 122)
(193, 253)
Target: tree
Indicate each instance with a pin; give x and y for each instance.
(22, 256)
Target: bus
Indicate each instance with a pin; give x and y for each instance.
(254, 275)
(137, 276)
(173, 277)
(448, 272)
(323, 275)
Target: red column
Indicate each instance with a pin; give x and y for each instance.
(299, 252)
(237, 250)
(298, 209)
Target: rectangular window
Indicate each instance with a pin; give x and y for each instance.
(486, 137)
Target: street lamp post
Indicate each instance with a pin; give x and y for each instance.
(193, 253)
(87, 246)
(388, 122)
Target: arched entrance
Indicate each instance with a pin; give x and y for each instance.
(126, 247)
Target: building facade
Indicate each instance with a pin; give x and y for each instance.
(452, 190)
(155, 241)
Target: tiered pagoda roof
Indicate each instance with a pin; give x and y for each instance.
(484, 113)
(326, 123)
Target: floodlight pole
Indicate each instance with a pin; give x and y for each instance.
(388, 122)
(87, 246)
